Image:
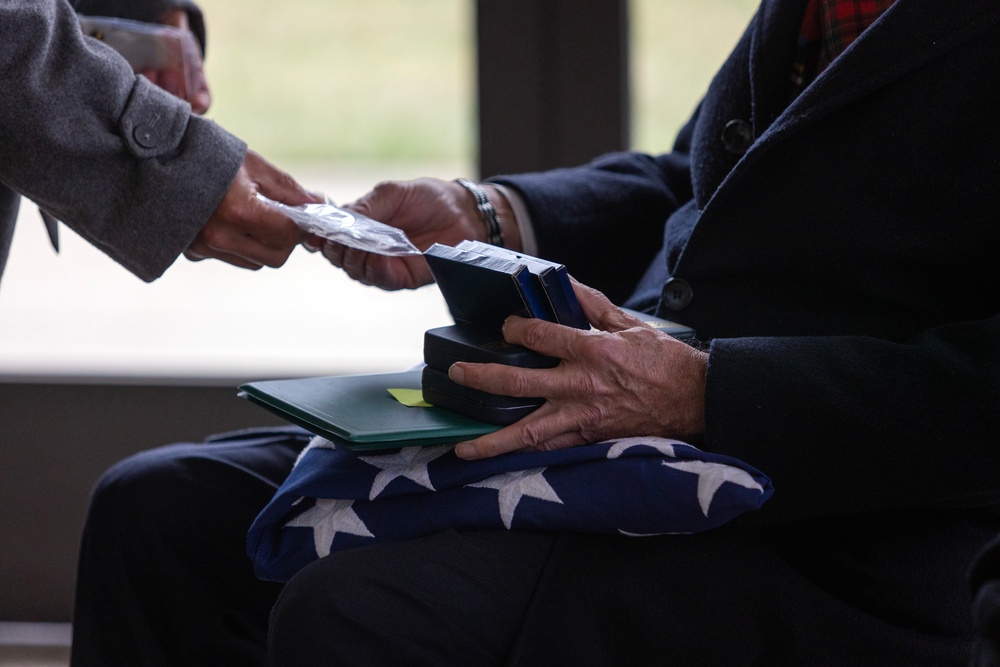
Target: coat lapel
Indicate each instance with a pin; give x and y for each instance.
(909, 34)
(772, 50)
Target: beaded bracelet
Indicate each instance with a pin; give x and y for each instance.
(494, 235)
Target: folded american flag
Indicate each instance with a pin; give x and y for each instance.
(338, 499)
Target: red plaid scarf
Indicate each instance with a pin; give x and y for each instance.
(842, 21)
(828, 28)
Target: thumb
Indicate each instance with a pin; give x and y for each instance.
(384, 202)
(599, 310)
(276, 184)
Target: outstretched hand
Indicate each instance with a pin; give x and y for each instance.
(624, 378)
(429, 210)
(246, 232)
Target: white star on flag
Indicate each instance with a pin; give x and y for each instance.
(662, 445)
(410, 463)
(327, 518)
(713, 475)
(516, 484)
(349, 498)
(316, 443)
(321, 443)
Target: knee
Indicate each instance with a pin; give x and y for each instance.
(134, 479)
(145, 490)
(987, 616)
(304, 614)
(332, 613)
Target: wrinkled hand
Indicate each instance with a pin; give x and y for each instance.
(623, 379)
(192, 86)
(429, 211)
(245, 231)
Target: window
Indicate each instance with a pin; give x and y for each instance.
(339, 93)
(676, 48)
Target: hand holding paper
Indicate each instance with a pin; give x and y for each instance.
(246, 232)
(428, 210)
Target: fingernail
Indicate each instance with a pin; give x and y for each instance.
(511, 319)
(456, 373)
(466, 450)
(505, 326)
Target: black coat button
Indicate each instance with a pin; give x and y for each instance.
(737, 136)
(676, 294)
(145, 136)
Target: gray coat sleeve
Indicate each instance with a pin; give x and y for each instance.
(124, 164)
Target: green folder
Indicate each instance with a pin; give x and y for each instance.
(357, 411)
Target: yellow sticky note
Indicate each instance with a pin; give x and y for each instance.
(411, 398)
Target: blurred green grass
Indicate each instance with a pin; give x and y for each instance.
(343, 81)
(677, 46)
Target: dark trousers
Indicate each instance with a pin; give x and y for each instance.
(163, 577)
(164, 580)
(722, 598)
(985, 579)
